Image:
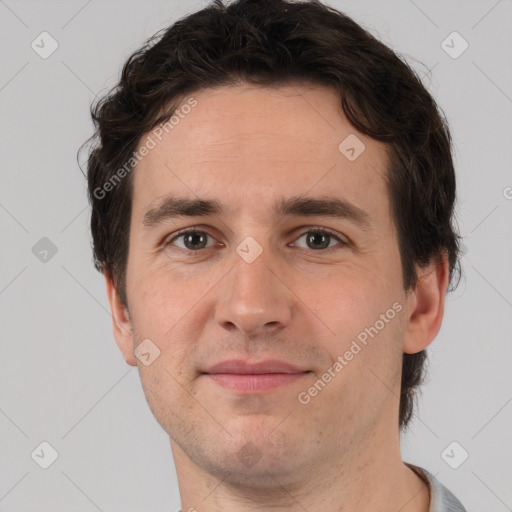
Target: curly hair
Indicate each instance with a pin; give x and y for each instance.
(268, 43)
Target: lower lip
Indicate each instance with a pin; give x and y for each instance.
(255, 383)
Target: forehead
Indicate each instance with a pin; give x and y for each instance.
(250, 145)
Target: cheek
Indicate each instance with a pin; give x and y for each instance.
(159, 299)
(351, 298)
(367, 319)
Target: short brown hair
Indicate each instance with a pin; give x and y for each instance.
(273, 42)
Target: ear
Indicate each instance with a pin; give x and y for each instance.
(121, 322)
(426, 305)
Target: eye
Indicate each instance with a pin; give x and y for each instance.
(320, 239)
(193, 240)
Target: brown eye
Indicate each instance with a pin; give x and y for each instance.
(320, 239)
(193, 240)
(317, 239)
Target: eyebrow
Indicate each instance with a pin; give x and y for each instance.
(298, 206)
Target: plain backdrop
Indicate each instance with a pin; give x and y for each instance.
(63, 380)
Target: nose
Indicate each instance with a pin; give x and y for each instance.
(254, 298)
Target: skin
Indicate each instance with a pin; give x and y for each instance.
(245, 146)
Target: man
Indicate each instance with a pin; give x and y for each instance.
(272, 194)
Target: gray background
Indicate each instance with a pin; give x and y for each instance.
(63, 379)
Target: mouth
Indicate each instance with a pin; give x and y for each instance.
(244, 377)
(254, 383)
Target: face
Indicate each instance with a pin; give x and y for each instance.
(316, 285)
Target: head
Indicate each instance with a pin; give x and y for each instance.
(252, 106)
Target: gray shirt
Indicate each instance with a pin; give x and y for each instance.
(441, 499)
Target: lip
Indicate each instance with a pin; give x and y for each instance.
(244, 377)
(241, 367)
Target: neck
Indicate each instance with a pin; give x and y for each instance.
(371, 478)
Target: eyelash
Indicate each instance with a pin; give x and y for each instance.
(316, 229)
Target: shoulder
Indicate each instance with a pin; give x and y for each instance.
(441, 499)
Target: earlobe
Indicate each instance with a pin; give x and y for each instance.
(121, 322)
(426, 305)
